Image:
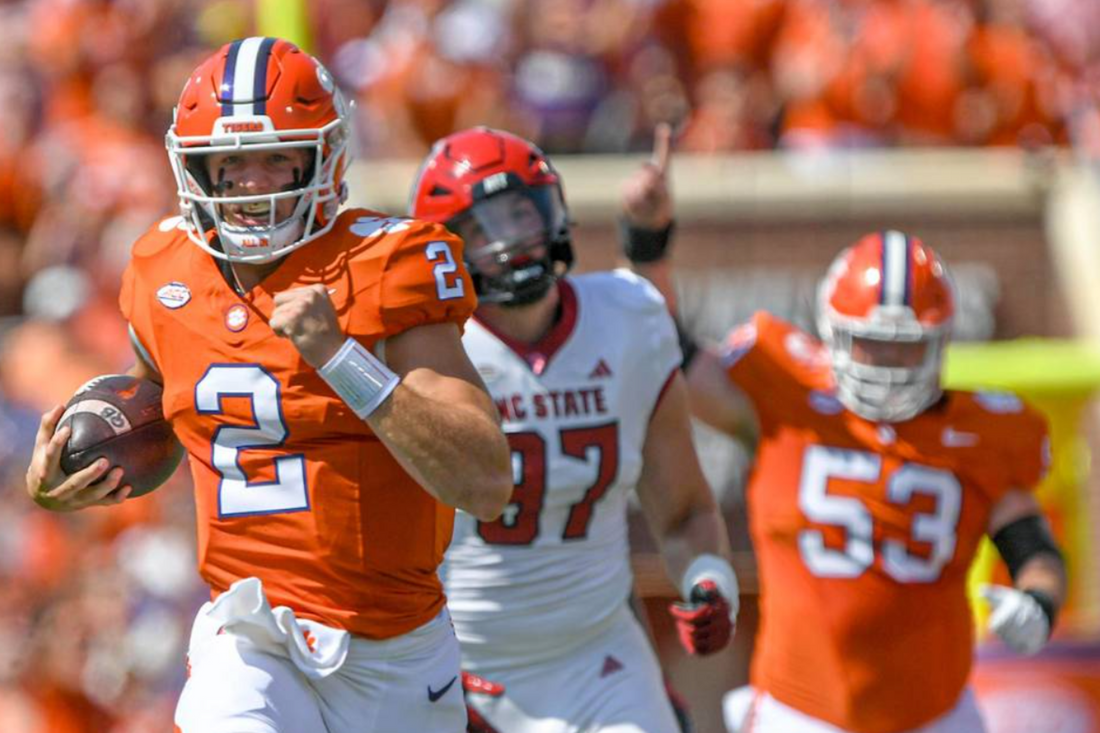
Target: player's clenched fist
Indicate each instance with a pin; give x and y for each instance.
(704, 625)
(307, 317)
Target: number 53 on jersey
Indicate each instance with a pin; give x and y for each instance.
(919, 558)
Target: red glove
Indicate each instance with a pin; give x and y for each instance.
(473, 684)
(704, 624)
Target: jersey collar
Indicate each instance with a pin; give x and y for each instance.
(538, 355)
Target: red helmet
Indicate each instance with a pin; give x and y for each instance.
(503, 197)
(259, 94)
(887, 288)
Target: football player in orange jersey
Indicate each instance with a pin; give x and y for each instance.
(312, 366)
(871, 488)
(585, 370)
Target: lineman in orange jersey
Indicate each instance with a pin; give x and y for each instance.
(871, 489)
(326, 467)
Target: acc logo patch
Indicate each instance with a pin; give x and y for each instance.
(236, 318)
(825, 403)
(999, 403)
(174, 295)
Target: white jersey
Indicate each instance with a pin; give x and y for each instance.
(552, 571)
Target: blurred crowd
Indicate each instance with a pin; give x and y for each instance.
(86, 92)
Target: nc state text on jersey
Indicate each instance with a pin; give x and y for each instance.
(553, 404)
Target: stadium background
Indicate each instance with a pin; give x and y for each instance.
(800, 124)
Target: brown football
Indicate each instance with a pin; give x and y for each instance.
(120, 418)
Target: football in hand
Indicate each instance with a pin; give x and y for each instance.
(120, 418)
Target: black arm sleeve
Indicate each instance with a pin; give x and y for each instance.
(644, 245)
(1019, 542)
(1022, 540)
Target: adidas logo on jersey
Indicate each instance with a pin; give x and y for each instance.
(601, 371)
(610, 666)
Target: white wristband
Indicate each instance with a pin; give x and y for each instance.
(359, 378)
(713, 568)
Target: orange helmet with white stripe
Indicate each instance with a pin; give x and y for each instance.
(259, 94)
(885, 311)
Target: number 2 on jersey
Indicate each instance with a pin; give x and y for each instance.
(440, 254)
(236, 495)
(820, 464)
(520, 523)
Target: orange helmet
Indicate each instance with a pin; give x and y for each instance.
(503, 197)
(887, 288)
(259, 94)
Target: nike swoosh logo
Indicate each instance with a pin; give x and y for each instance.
(957, 439)
(434, 695)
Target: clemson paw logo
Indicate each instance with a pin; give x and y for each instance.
(236, 318)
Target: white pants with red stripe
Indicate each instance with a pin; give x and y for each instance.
(254, 669)
(748, 711)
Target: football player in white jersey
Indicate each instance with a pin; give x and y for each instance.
(585, 371)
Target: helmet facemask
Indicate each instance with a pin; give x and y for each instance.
(885, 310)
(894, 388)
(319, 191)
(516, 242)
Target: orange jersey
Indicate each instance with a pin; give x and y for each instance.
(290, 486)
(864, 533)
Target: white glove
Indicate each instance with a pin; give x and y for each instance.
(1017, 618)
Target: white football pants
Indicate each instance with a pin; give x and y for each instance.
(254, 669)
(612, 684)
(748, 711)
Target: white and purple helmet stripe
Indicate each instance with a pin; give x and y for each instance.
(244, 83)
(895, 268)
